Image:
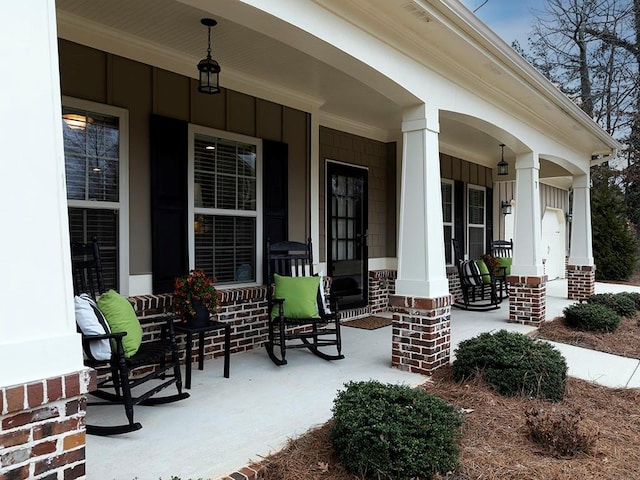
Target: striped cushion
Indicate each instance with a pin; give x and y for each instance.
(471, 272)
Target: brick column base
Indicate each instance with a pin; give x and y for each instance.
(421, 333)
(42, 427)
(581, 281)
(527, 299)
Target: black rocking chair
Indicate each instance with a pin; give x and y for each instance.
(159, 358)
(313, 330)
(475, 284)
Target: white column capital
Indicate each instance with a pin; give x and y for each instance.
(420, 118)
(527, 160)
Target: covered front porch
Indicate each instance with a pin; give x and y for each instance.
(227, 424)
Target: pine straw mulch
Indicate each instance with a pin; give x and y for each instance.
(495, 444)
(624, 341)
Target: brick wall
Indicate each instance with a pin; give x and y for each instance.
(421, 333)
(42, 428)
(581, 281)
(382, 283)
(455, 289)
(246, 310)
(527, 299)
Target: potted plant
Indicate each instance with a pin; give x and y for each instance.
(195, 297)
(492, 264)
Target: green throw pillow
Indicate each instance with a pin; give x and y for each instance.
(484, 271)
(300, 296)
(121, 318)
(505, 262)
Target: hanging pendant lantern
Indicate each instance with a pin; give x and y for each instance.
(503, 167)
(209, 69)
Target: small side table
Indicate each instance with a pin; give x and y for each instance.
(190, 331)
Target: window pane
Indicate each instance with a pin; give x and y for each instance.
(476, 206)
(225, 247)
(224, 174)
(476, 242)
(86, 223)
(91, 143)
(447, 202)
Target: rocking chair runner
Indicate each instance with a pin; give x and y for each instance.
(161, 356)
(297, 314)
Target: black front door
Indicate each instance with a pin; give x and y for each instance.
(347, 257)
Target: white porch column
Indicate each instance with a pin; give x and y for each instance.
(581, 269)
(38, 336)
(421, 262)
(527, 282)
(527, 238)
(42, 377)
(421, 329)
(581, 249)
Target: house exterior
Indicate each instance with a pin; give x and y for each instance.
(372, 127)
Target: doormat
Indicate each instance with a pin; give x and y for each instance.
(369, 323)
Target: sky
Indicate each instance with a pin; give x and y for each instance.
(511, 19)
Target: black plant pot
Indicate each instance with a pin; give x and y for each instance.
(201, 318)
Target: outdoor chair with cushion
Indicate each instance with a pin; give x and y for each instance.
(112, 343)
(502, 250)
(476, 282)
(298, 314)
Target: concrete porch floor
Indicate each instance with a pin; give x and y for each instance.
(228, 423)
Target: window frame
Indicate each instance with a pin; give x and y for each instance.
(122, 205)
(470, 225)
(450, 224)
(194, 130)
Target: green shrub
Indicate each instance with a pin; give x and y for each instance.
(634, 296)
(622, 304)
(394, 432)
(591, 317)
(513, 364)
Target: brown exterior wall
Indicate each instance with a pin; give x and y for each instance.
(144, 90)
(453, 168)
(380, 159)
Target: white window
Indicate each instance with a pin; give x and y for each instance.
(96, 148)
(225, 201)
(475, 221)
(446, 187)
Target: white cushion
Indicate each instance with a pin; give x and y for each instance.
(92, 322)
(326, 309)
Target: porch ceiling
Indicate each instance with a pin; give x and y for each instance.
(269, 58)
(168, 34)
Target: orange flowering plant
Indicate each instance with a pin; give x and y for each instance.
(194, 286)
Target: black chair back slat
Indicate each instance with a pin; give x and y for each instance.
(86, 267)
(502, 248)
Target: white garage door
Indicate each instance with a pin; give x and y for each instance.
(553, 242)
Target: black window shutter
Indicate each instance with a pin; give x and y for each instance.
(275, 157)
(458, 216)
(169, 222)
